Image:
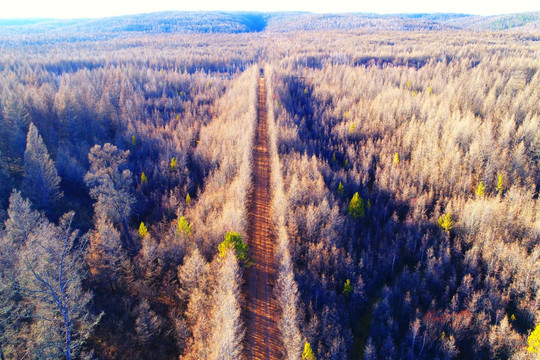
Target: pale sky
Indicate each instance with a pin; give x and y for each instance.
(102, 8)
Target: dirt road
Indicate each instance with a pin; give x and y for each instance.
(263, 340)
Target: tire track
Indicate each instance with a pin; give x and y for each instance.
(263, 337)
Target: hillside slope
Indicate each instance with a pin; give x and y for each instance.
(251, 22)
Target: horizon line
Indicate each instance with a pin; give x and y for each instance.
(33, 18)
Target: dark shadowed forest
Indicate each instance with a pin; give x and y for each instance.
(405, 170)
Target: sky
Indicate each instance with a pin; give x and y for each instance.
(64, 9)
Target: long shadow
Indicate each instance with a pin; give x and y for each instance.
(388, 241)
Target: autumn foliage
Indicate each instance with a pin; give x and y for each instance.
(404, 192)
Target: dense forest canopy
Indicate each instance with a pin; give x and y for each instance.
(405, 170)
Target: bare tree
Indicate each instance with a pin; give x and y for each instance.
(6, 183)
(41, 180)
(13, 126)
(191, 274)
(21, 220)
(147, 324)
(51, 273)
(110, 185)
(227, 331)
(105, 257)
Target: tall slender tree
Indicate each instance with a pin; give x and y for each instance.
(105, 257)
(6, 182)
(110, 185)
(13, 126)
(41, 181)
(147, 324)
(226, 343)
(21, 220)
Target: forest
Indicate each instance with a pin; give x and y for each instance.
(404, 180)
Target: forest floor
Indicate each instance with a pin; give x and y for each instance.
(263, 340)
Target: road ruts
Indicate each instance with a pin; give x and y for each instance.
(263, 339)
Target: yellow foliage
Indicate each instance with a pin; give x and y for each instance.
(534, 342)
(445, 222)
(480, 190)
(143, 231)
(408, 85)
(144, 179)
(308, 353)
(396, 159)
(356, 207)
(351, 130)
(183, 227)
(341, 189)
(347, 288)
(173, 165)
(188, 199)
(500, 184)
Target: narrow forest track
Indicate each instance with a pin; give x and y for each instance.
(263, 340)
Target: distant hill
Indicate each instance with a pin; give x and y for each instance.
(522, 21)
(161, 22)
(306, 21)
(247, 22)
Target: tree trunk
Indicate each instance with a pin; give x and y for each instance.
(131, 245)
(68, 337)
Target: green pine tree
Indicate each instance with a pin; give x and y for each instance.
(341, 189)
(183, 227)
(144, 179)
(356, 207)
(347, 288)
(234, 240)
(173, 165)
